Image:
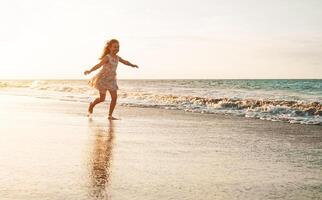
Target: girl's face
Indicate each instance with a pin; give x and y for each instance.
(115, 47)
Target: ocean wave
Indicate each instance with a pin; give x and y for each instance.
(272, 105)
(15, 84)
(274, 110)
(47, 85)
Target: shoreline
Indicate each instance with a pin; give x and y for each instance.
(106, 102)
(52, 150)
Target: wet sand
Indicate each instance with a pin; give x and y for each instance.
(51, 150)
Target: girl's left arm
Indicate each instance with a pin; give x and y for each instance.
(125, 62)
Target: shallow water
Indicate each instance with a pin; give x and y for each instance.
(50, 150)
(292, 101)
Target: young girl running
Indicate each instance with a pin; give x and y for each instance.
(105, 79)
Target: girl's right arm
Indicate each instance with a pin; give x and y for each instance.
(97, 66)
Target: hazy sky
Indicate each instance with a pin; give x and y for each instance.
(166, 38)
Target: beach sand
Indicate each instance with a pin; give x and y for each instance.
(51, 150)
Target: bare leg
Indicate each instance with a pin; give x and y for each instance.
(113, 94)
(96, 101)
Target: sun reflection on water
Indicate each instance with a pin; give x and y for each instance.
(101, 160)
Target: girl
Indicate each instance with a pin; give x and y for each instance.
(105, 79)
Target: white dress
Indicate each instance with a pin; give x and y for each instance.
(105, 79)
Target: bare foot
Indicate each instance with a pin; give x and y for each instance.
(89, 115)
(110, 117)
(90, 119)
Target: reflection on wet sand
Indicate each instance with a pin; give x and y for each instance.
(100, 160)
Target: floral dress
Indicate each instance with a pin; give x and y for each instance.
(105, 79)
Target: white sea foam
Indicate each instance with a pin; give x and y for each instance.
(272, 103)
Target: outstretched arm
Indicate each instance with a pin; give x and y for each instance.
(97, 66)
(125, 62)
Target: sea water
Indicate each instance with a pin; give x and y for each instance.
(292, 101)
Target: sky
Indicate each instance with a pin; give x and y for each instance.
(167, 39)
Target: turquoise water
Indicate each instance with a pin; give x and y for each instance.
(293, 101)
